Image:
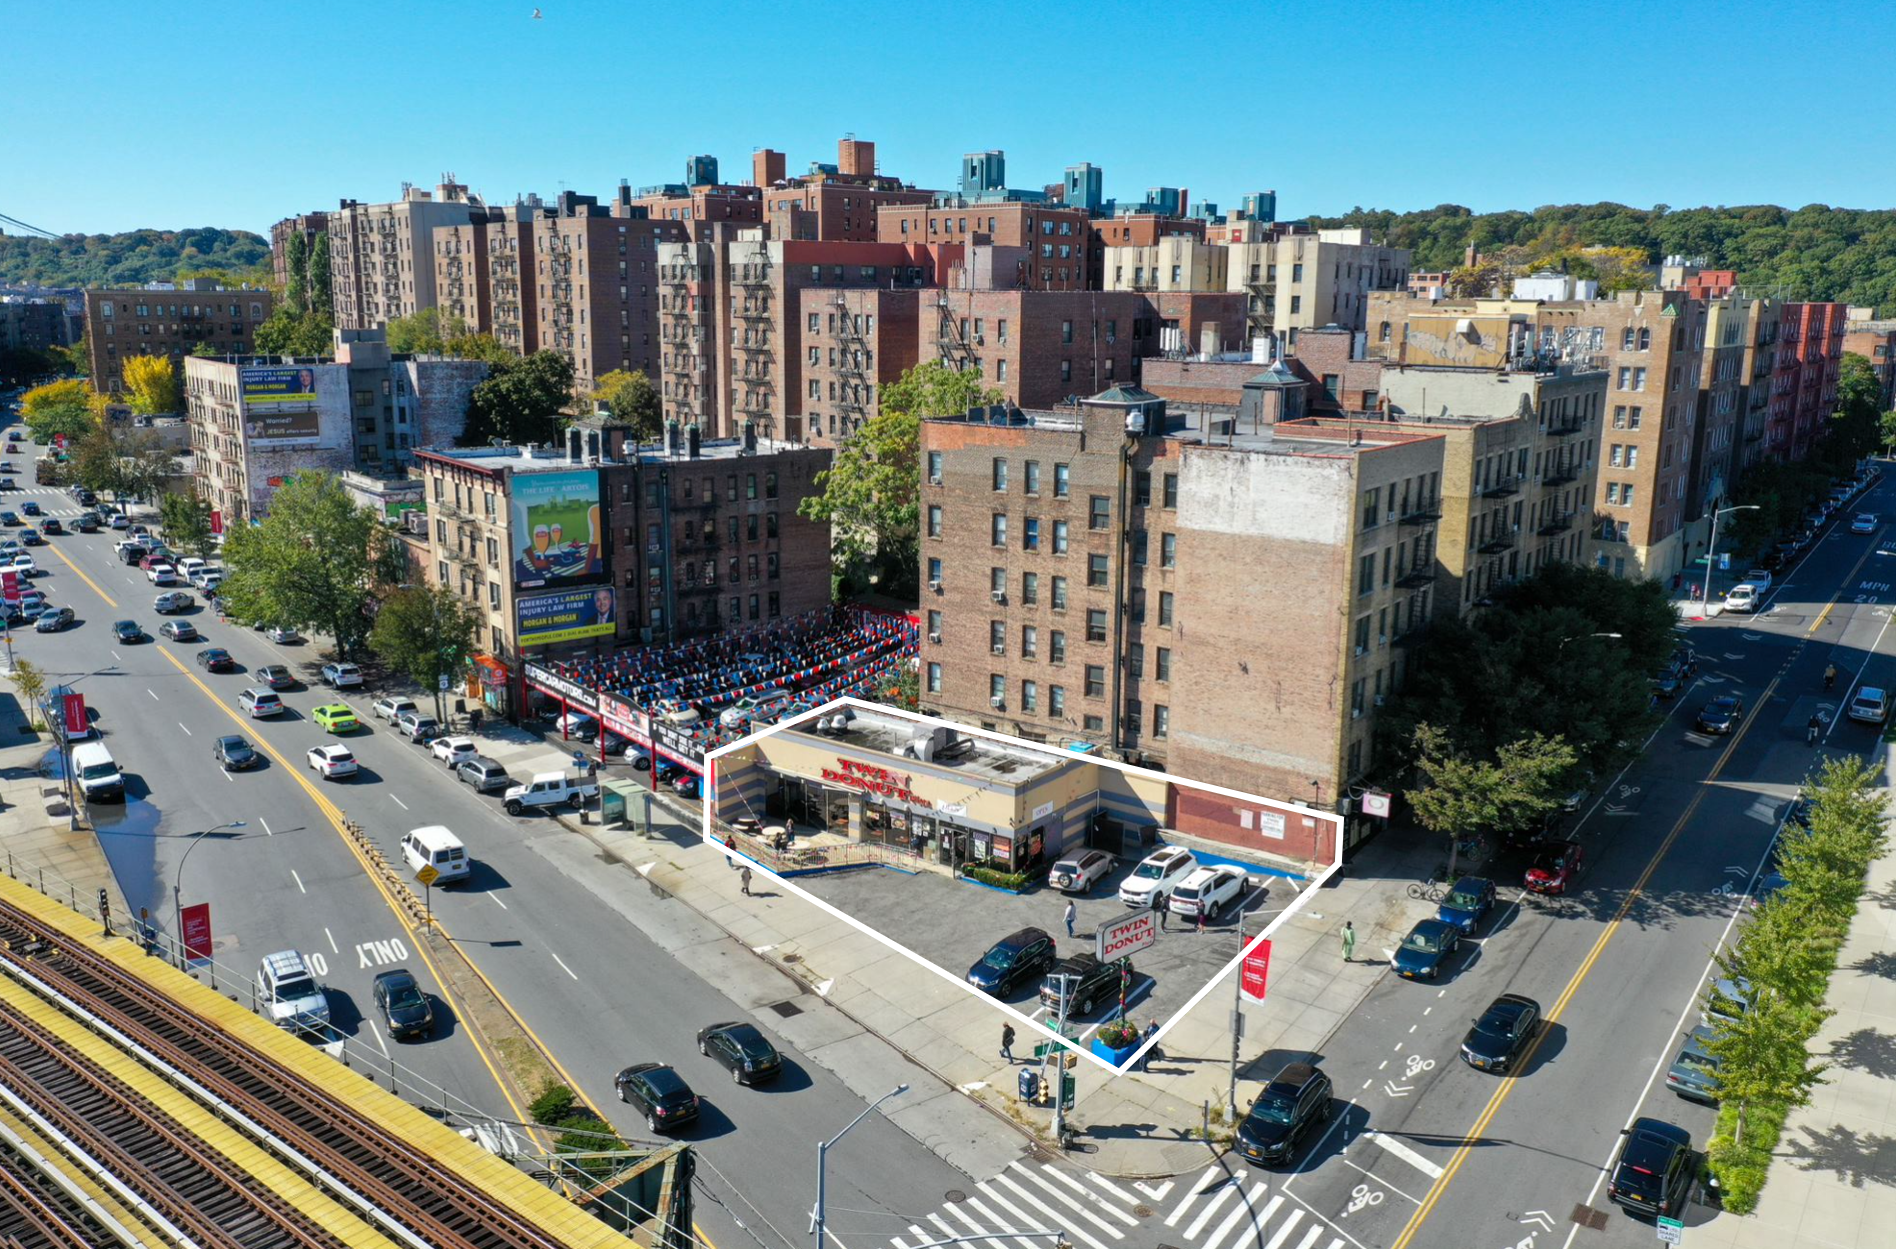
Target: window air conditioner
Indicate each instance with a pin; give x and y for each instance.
(935, 586)
(1000, 596)
(999, 650)
(935, 639)
(997, 703)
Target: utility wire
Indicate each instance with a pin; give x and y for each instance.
(14, 221)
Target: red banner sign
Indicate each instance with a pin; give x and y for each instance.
(10, 586)
(197, 930)
(217, 521)
(77, 722)
(1256, 971)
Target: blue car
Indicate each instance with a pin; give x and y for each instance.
(1425, 949)
(1470, 899)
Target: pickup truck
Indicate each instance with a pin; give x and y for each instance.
(550, 789)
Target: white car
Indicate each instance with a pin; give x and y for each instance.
(342, 676)
(162, 574)
(1871, 705)
(23, 565)
(1156, 876)
(1079, 872)
(1209, 890)
(118, 522)
(1744, 597)
(453, 750)
(332, 761)
(389, 708)
(283, 635)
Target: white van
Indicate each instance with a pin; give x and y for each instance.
(437, 847)
(1743, 597)
(97, 774)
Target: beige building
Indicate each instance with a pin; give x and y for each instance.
(1298, 279)
(1177, 262)
(382, 256)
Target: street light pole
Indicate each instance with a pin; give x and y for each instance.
(1711, 555)
(65, 737)
(177, 887)
(822, 1155)
(1237, 1023)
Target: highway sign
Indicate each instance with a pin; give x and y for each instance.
(427, 875)
(1671, 1231)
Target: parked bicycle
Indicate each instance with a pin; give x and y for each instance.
(1433, 889)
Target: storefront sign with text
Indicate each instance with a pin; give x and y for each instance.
(874, 780)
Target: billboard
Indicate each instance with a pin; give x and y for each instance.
(556, 533)
(568, 615)
(279, 388)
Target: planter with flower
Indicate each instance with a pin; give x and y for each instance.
(1116, 1041)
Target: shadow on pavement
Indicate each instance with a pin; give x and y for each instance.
(1866, 1050)
(1852, 1157)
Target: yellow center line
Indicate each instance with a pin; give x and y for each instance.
(1848, 579)
(1633, 895)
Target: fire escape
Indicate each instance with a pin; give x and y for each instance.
(951, 341)
(752, 386)
(852, 359)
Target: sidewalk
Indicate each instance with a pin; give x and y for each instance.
(42, 848)
(1143, 1124)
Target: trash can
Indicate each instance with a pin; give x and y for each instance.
(1029, 1085)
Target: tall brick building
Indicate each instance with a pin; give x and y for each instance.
(171, 320)
(832, 203)
(308, 225)
(382, 258)
(1809, 363)
(596, 287)
(1047, 247)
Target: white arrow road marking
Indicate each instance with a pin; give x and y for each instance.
(1157, 1194)
(1614, 808)
(645, 869)
(1541, 1217)
(1408, 1155)
(1732, 869)
(1397, 1090)
(1709, 680)
(969, 1088)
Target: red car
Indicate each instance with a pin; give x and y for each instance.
(1556, 865)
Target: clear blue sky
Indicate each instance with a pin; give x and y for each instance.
(132, 114)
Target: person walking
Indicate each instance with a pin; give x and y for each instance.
(730, 850)
(744, 879)
(1072, 913)
(1151, 1031)
(1349, 941)
(1007, 1043)
(1813, 728)
(1162, 903)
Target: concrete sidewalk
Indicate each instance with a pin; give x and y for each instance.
(1133, 1124)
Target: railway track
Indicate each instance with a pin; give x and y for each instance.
(35, 1213)
(394, 1183)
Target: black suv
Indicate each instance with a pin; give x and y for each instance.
(1096, 982)
(1011, 960)
(742, 1050)
(1654, 1171)
(1296, 1100)
(405, 1009)
(659, 1093)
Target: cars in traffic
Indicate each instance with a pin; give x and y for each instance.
(1078, 873)
(436, 846)
(180, 631)
(333, 762)
(1497, 1039)
(129, 632)
(172, 602)
(1654, 1171)
(659, 1093)
(1208, 890)
(1554, 866)
(276, 676)
(216, 659)
(1694, 1073)
(290, 995)
(1157, 875)
(260, 703)
(1744, 597)
(406, 1012)
(234, 753)
(1288, 1108)
(336, 718)
(53, 619)
(1014, 959)
(1467, 903)
(1865, 522)
(741, 1049)
(1721, 715)
(1424, 951)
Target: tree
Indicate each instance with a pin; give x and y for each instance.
(521, 401)
(631, 398)
(1464, 795)
(426, 332)
(296, 266)
(482, 347)
(870, 491)
(187, 524)
(1472, 281)
(204, 351)
(152, 385)
(307, 564)
(31, 682)
(428, 632)
(62, 407)
(1886, 427)
(287, 333)
(71, 360)
(322, 300)
(96, 463)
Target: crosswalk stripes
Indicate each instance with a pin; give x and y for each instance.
(1217, 1211)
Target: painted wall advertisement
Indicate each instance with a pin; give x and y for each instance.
(568, 615)
(280, 405)
(556, 534)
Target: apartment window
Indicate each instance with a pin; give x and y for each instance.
(1632, 457)
(1095, 680)
(1030, 587)
(997, 529)
(1057, 647)
(1139, 547)
(1161, 720)
(1626, 494)
(934, 623)
(1162, 664)
(934, 571)
(1165, 609)
(1296, 304)
(1171, 491)
(1645, 339)
(1059, 537)
(1029, 641)
(1056, 701)
(1626, 339)
(1059, 593)
(1613, 456)
(1639, 379)
(1061, 480)
(1066, 331)
(1000, 370)
(1093, 724)
(934, 468)
(1096, 571)
(1066, 370)
(1366, 573)
(934, 676)
(997, 580)
(997, 689)
(1619, 416)
(1624, 376)
(1632, 418)
(1030, 534)
(1372, 507)
(1000, 474)
(1142, 489)
(1135, 661)
(1029, 697)
(1099, 512)
(1096, 624)
(1168, 550)
(997, 636)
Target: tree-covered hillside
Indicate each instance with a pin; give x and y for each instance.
(1816, 252)
(132, 258)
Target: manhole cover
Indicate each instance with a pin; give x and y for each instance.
(792, 958)
(1143, 1212)
(955, 1194)
(1588, 1217)
(786, 1009)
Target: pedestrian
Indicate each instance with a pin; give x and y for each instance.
(1007, 1043)
(744, 879)
(1072, 913)
(474, 720)
(1152, 1030)
(1349, 941)
(730, 850)
(1163, 905)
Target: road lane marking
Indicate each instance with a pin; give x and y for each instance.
(1054, 1217)
(1087, 1195)
(332, 940)
(187, 732)
(399, 802)
(1021, 1218)
(1283, 1233)
(266, 826)
(497, 902)
(1037, 1177)
(1260, 1219)
(1625, 908)
(80, 573)
(563, 966)
(1402, 1151)
(154, 697)
(116, 656)
(299, 880)
(1205, 1215)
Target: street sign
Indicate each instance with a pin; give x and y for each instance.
(1671, 1231)
(1255, 972)
(1376, 804)
(196, 922)
(427, 875)
(443, 679)
(1120, 937)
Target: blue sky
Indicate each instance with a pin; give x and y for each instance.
(235, 115)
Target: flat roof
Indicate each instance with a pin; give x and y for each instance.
(554, 459)
(976, 756)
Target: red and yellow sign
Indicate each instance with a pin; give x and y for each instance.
(875, 780)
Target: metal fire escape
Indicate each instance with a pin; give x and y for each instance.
(752, 385)
(950, 340)
(852, 358)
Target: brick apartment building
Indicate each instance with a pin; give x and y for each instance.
(832, 203)
(696, 538)
(33, 324)
(1875, 341)
(463, 272)
(596, 287)
(308, 225)
(1297, 279)
(1809, 364)
(513, 291)
(1087, 582)
(1718, 432)
(855, 343)
(1037, 246)
(1136, 229)
(700, 204)
(1759, 371)
(167, 319)
(382, 255)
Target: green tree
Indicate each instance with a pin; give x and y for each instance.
(31, 683)
(187, 524)
(296, 268)
(631, 398)
(1762, 1055)
(71, 361)
(482, 347)
(522, 401)
(62, 407)
(322, 298)
(426, 332)
(1886, 427)
(427, 632)
(307, 564)
(151, 385)
(96, 463)
(287, 333)
(871, 490)
(204, 351)
(1463, 795)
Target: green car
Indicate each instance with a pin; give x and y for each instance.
(336, 718)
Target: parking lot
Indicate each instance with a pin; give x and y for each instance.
(952, 923)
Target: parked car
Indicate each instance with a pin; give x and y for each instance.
(333, 761)
(1865, 522)
(1471, 898)
(1286, 1110)
(1208, 891)
(1425, 949)
(404, 1008)
(336, 718)
(341, 676)
(1721, 715)
(453, 750)
(234, 753)
(483, 774)
(1758, 577)
(1078, 873)
(741, 1050)
(180, 631)
(1728, 999)
(1654, 1172)
(1694, 1073)
(276, 676)
(550, 789)
(659, 1093)
(283, 635)
(1496, 1040)
(1870, 705)
(161, 574)
(389, 708)
(1017, 957)
(53, 619)
(1157, 875)
(129, 632)
(215, 659)
(576, 724)
(1091, 981)
(1555, 865)
(417, 726)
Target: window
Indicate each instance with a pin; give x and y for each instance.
(1372, 510)
(934, 468)
(1171, 490)
(1059, 593)
(1366, 573)
(1142, 489)
(934, 678)
(997, 689)
(1094, 724)
(934, 622)
(1056, 701)
(1029, 697)
(1030, 534)
(1135, 661)
(1645, 339)
(1096, 571)
(1066, 331)
(1099, 512)
(1632, 418)
(1095, 680)
(997, 636)
(1059, 537)
(1165, 608)
(1096, 624)
(1162, 664)
(1061, 480)
(1030, 587)
(934, 571)
(1029, 641)
(1057, 647)
(1639, 379)
(1031, 475)
(1161, 720)
(997, 529)
(997, 580)
(1139, 547)
(1000, 474)
(1168, 550)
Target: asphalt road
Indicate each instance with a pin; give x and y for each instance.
(562, 936)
